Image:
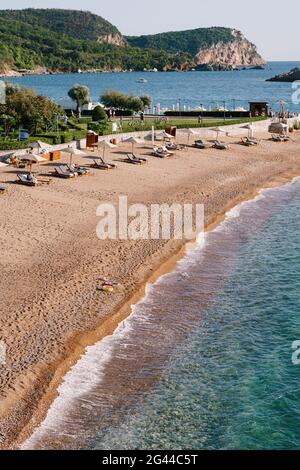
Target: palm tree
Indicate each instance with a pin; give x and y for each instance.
(80, 94)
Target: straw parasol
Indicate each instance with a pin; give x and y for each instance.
(39, 145)
(31, 158)
(190, 132)
(167, 136)
(72, 151)
(104, 144)
(134, 141)
(218, 130)
(250, 129)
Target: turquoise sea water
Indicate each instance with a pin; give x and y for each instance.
(232, 384)
(205, 359)
(191, 88)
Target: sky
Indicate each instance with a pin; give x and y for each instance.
(269, 24)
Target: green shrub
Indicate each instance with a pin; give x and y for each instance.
(98, 127)
(12, 145)
(99, 114)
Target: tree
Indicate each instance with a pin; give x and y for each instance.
(80, 94)
(114, 99)
(117, 100)
(8, 122)
(146, 100)
(24, 108)
(99, 114)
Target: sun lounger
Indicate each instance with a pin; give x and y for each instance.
(134, 161)
(28, 180)
(199, 144)
(161, 152)
(248, 142)
(281, 138)
(254, 141)
(220, 145)
(101, 165)
(61, 172)
(110, 164)
(80, 170)
(143, 159)
(276, 138)
(173, 147)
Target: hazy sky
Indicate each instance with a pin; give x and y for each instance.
(272, 25)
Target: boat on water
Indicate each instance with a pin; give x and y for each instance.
(142, 80)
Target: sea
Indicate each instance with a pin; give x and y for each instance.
(205, 360)
(177, 89)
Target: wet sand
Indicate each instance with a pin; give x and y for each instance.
(52, 261)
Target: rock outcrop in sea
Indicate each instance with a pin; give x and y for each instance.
(290, 76)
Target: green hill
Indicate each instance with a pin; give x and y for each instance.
(190, 41)
(74, 23)
(66, 40)
(218, 48)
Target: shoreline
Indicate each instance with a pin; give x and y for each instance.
(63, 312)
(120, 314)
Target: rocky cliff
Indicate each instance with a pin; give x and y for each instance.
(114, 39)
(239, 52)
(215, 48)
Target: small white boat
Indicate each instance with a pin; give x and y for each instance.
(142, 80)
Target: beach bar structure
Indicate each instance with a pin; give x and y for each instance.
(91, 140)
(259, 108)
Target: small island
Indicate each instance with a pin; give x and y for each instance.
(290, 76)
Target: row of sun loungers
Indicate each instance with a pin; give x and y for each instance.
(200, 144)
(70, 171)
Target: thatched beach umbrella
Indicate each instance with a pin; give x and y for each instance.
(250, 129)
(72, 151)
(134, 141)
(104, 144)
(31, 158)
(39, 146)
(167, 136)
(218, 131)
(190, 132)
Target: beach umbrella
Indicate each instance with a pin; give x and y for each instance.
(72, 151)
(39, 145)
(218, 130)
(282, 105)
(104, 144)
(190, 132)
(31, 158)
(250, 129)
(166, 136)
(134, 141)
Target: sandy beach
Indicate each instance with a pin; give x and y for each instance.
(52, 261)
